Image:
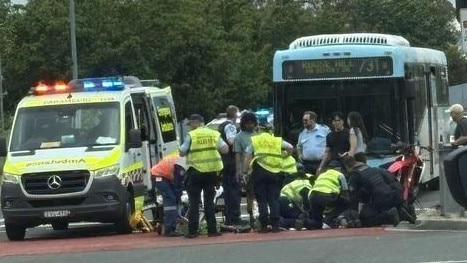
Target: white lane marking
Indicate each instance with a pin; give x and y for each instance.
(449, 261)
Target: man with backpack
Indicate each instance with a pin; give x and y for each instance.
(377, 189)
(230, 182)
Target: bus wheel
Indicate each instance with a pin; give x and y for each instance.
(15, 232)
(60, 225)
(123, 224)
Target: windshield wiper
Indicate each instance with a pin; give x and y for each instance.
(100, 147)
(24, 152)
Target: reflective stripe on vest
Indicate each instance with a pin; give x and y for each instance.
(328, 182)
(203, 154)
(292, 189)
(268, 151)
(289, 165)
(164, 168)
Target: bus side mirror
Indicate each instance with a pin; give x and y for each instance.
(455, 169)
(134, 140)
(3, 151)
(409, 91)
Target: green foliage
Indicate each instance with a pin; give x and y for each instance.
(212, 52)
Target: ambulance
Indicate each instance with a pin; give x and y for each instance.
(82, 151)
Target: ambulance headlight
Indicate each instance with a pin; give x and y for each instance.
(107, 171)
(10, 178)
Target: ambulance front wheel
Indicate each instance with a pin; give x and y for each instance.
(123, 224)
(15, 232)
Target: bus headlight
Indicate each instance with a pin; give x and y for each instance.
(10, 178)
(107, 171)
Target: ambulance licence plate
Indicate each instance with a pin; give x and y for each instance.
(58, 213)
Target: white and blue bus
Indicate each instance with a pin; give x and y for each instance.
(401, 91)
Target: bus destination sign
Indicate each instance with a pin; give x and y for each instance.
(337, 68)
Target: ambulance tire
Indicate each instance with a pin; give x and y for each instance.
(15, 232)
(60, 225)
(123, 224)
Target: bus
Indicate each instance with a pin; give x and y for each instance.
(401, 91)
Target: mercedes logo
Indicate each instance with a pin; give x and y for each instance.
(54, 182)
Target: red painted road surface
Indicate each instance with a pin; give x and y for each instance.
(32, 246)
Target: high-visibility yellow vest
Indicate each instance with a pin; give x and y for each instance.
(289, 165)
(203, 154)
(292, 190)
(268, 151)
(328, 182)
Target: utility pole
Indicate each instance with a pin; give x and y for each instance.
(73, 38)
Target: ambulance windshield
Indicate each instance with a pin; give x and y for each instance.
(62, 126)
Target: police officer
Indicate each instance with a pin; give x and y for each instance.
(377, 189)
(167, 177)
(330, 192)
(265, 155)
(230, 182)
(311, 142)
(202, 147)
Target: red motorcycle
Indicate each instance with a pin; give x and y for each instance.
(407, 168)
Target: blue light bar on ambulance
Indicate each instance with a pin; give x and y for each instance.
(80, 85)
(102, 84)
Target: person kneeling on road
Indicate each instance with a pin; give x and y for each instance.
(294, 202)
(330, 193)
(167, 177)
(378, 190)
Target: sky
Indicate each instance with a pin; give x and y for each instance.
(19, 1)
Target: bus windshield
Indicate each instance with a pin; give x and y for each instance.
(66, 126)
(401, 91)
(373, 98)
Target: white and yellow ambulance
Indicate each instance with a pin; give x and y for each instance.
(82, 151)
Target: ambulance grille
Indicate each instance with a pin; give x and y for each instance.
(61, 182)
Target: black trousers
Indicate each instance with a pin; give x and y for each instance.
(267, 188)
(197, 182)
(232, 194)
(374, 215)
(321, 201)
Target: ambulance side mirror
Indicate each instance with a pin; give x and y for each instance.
(3, 151)
(134, 139)
(455, 169)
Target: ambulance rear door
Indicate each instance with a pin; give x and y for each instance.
(165, 121)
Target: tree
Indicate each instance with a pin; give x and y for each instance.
(212, 52)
